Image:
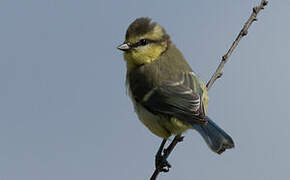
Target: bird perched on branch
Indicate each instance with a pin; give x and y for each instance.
(167, 95)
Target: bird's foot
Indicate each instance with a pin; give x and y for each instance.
(161, 163)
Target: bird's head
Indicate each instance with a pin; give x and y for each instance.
(145, 42)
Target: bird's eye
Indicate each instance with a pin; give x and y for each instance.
(143, 42)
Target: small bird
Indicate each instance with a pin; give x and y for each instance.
(167, 95)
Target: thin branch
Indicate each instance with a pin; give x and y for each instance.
(218, 73)
(243, 32)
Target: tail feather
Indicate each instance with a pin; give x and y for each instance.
(216, 138)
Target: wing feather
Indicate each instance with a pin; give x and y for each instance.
(179, 98)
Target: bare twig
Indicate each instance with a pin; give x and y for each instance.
(243, 32)
(218, 72)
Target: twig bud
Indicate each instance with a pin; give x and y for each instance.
(255, 10)
(219, 75)
(244, 32)
(224, 57)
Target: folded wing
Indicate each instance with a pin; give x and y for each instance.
(180, 98)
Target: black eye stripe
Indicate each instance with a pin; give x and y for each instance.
(143, 42)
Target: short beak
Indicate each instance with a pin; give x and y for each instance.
(124, 47)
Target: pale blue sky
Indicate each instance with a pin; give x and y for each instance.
(64, 114)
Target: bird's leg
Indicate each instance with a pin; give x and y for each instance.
(161, 163)
(160, 159)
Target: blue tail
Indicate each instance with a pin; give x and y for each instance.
(216, 138)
